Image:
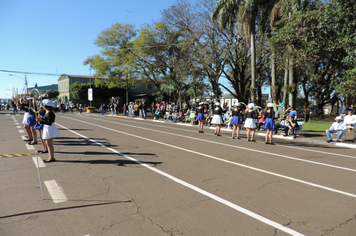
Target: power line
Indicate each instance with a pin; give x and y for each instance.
(29, 73)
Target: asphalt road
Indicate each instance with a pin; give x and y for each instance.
(124, 176)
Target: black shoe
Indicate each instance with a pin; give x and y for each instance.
(266, 142)
(46, 161)
(233, 137)
(329, 141)
(218, 135)
(31, 143)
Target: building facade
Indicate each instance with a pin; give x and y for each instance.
(138, 88)
(44, 88)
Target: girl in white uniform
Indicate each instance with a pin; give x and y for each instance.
(49, 129)
(250, 123)
(217, 119)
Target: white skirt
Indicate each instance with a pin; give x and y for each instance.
(50, 131)
(25, 116)
(250, 123)
(217, 120)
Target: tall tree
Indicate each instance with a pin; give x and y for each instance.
(228, 12)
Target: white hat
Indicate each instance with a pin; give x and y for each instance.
(250, 105)
(270, 104)
(47, 102)
(201, 103)
(217, 104)
(338, 118)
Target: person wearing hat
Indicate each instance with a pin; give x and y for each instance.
(49, 129)
(291, 125)
(269, 123)
(338, 127)
(250, 123)
(200, 117)
(217, 119)
(236, 121)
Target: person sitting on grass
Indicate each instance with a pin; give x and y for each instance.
(338, 127)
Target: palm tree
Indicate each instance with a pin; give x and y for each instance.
(230, 12)
(282, 9)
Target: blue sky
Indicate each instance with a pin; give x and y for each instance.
(55, 37)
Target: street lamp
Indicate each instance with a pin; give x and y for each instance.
(24, 79)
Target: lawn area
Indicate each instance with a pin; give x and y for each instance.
(318, 124)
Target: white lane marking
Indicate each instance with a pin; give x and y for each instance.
(199, 190)
(40, 162)
(21, 131)
(238, 147)
(56, 192)
(19, 127)
(230, 162)
(16, 123)
(280, 145)
(23, 137)
(7, 114)
(30, 147)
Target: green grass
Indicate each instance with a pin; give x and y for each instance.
(318, 125)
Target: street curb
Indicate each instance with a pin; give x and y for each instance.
(298, 139)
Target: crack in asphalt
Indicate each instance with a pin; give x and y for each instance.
(328, 232)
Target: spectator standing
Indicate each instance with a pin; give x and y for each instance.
(260, 120)
(343, 110)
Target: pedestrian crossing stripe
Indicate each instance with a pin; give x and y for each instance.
(14, 155)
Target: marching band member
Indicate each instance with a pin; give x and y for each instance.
(49, 129)
(269, 122)
(200, 117)
(30, 123)
(236, 120)
(250, 124)
(25, 107)
(38, 126)
(217, 119)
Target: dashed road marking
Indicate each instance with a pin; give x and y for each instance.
(19, 127)
(40, 162)
(56, 192)
(16, 123)
(30, 147)
(21, 131)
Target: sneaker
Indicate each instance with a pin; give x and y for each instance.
(329, 141)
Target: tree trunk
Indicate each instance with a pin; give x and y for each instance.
(253, 68)
(285, 82)
(273, 83)
(291, 82)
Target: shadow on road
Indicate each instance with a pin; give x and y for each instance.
(124, 163)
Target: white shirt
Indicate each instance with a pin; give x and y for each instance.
(337, 126)
(350, 119)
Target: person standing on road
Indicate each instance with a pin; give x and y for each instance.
(200, 117)
(269, 123)
(49, 129)
(236, 121)
(217, 119)
(250, 123)
(38, 126)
